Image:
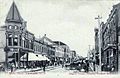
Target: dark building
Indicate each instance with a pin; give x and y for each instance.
(111, 40)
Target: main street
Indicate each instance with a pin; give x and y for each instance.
(49, 69)
(54, 72)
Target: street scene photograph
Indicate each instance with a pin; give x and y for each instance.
(59, 38)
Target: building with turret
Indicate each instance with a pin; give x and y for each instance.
(21, 48)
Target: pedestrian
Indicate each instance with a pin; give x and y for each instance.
(25, 67)
(44, 65)
(11, 67)
(62, 64)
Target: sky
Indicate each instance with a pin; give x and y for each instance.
(69, 21)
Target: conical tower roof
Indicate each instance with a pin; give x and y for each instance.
(13, 14)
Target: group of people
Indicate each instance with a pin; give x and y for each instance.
(32, 64)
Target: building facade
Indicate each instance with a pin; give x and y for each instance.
(110, 32)
(17, 42)
(65, 51)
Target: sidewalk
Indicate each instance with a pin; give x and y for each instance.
(48, 68)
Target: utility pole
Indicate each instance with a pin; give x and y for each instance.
(89, 52)
(100, 41)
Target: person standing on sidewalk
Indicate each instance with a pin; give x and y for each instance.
(44, 65)
(11, 67)
(62, 64)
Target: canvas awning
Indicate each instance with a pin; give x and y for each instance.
(43, 57)
(34, 57)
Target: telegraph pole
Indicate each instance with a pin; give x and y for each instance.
(98, 19)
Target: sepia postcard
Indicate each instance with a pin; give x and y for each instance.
(59, 38)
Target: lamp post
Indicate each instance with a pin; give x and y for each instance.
(98, 18)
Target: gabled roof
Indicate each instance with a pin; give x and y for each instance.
(13, 14)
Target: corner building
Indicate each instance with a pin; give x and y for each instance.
(111, 40)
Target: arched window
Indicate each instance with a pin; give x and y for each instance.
(10, 27)
(15, 27)
(15, 40)
(9, 39)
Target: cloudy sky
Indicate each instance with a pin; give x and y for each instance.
(69, 21)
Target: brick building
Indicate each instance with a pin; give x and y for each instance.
(110, 41)
(17, 42)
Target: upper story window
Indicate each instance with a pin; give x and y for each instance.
(10, 27)
(15, 40)
(15, 27)
(10, 39)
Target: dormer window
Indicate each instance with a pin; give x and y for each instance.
(10, 27)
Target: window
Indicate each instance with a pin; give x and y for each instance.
(32, 45)
(10, 27)
(15, 40)
(23, 42)
(107, 57)
(27, 43)
(10, 39)
(111, 53)
(15, 27)
(20, 42)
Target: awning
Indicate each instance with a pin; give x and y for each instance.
(43, 57)
(34, 57)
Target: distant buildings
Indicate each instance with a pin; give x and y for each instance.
(63, 52)
(16, 42)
